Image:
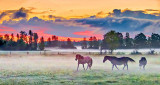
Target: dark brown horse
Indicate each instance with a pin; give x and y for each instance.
(118, 61)
(83, 60)
(142, 62)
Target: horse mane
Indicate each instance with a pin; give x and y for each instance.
(80, 56)
(110, 56)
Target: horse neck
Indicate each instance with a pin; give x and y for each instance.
(110, 59)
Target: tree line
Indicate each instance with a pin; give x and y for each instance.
(54, 42)
(21, 41)
(112, 40)
(115, 40)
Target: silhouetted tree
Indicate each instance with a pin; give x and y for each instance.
(69, 43)
(35, 40)
(155, 40)
(41, 45)
(30, 38)
(2, 42)
(49, 41)
(121, 42)
(112, 40)
(17, 36)
(23, 34)
(84, 43)
(95, 43)
(12, 36)
(91, 42)
(128, 41)
(54, 41)
(6, 36)
(21, 45)
(140, 41)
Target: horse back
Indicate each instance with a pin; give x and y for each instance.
(86, 59)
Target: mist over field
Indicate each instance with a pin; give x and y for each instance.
(52, 68)
(67, 61)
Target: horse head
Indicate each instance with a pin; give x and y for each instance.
(143, 58)
(105, 58)
(78, 56)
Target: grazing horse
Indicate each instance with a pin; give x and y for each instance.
(118, 61)
(83, 60)
(142, 62)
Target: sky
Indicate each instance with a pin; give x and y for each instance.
(79, 18)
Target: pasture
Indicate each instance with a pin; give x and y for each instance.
(61, 70)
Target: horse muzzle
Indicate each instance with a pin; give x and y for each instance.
(103, 61)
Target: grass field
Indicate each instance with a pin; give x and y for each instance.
(61, 70)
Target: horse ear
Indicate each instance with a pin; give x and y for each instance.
(77, 55)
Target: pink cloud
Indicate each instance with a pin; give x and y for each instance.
(89, 33)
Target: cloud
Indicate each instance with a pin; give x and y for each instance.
(64, 28)
(20, 14)
(5, 30)
(88, 33)
(151, 10)
(56, 18)
(121, 21)
(122, 24)
(135, 14)
(2, 15)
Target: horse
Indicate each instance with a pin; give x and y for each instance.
(142, 62)
(118, 61)
(83, 60)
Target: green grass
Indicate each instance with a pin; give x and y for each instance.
(69, 77)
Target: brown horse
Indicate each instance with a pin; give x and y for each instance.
(83, 60)
(118, 61)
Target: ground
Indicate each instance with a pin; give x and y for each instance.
(61, 70)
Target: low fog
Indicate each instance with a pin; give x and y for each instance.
(55, 62)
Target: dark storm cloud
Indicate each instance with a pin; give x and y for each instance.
(2, 15)
(135, 14)
(120, 24)
(20, 14)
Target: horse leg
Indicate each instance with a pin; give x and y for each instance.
(124, 66)
(87, 66)
(112, 67)
(77, 67)
(90, 68)
(116, 67)
(144, 67)
(83, 66)
(127, 66)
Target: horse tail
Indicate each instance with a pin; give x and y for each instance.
(91, 62)
(130, 59)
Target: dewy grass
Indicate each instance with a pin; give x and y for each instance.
(99, 77)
